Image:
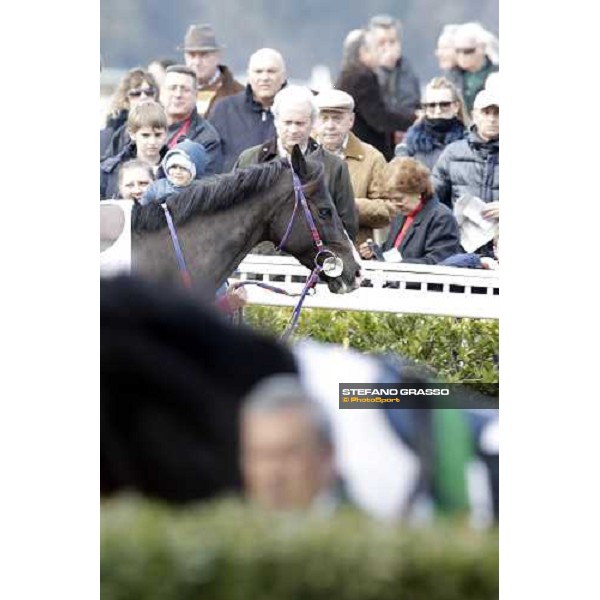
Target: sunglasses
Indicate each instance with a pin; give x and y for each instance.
(432, 105)
(465, 50)
(148, 92)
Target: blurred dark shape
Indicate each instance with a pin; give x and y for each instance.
(173, 373)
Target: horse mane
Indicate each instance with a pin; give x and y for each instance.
(209, 195)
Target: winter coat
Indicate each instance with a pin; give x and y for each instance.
(113, 124)
(242, 122)
(470, 84)
(225, 86)
(400, 87)
(432, 237)
(469, 166)
(161, 188)
(109, 171)
(202, 132)
(337, 177)
(374, 123)
(364, 165)
(424, 144)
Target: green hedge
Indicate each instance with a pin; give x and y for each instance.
(460, 350)
(225, 551)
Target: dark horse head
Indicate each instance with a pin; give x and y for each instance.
(221, 218)
(299, 243)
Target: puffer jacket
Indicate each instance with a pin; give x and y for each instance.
(469, 166)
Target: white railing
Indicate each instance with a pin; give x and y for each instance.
(421, 289)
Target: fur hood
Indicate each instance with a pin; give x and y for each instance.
(422, 138)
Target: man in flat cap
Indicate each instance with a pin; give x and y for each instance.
(203, 54)
(333, 131)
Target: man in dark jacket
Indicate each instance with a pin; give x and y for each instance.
(399, 83)
(203, 54)
(179, 100)
(245, 119)
(295, 114)
(471, 165)
(374, 123)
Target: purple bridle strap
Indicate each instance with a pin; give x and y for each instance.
(185, 274)
(301, 201)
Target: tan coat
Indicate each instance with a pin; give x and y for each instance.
(365, 163)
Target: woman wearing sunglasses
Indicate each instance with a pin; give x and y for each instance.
(136, 85)
(442, 122)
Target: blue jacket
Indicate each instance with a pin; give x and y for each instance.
(242, 122)
(425, 144)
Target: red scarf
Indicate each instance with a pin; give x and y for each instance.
(185, 127)
(407, 223)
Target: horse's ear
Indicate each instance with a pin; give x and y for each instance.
(298, 162)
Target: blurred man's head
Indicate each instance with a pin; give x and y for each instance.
(286, 448)
(335, 119)
(386, 40)
(294, 112)
(469, 45)
(202, 52)
(368, 52)
(486, 115)
(178, 92)
(266, 74)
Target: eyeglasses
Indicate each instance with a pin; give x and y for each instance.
(148, 92)
(465, 50)
(432, 105)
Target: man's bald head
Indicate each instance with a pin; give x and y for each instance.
(266, 74)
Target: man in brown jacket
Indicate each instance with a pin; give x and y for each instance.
(203, 54)
(333, 131)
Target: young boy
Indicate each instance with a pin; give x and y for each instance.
(147, 128)
(181, 165)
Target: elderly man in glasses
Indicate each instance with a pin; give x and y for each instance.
(473, 66)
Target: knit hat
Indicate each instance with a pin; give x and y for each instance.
(179, 157)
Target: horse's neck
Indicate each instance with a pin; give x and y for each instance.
(223, 240)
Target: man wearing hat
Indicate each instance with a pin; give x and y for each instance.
(471, 165)
(333, 131)
(202, 54)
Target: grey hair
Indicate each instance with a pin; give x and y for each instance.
(281, 392)
(385, 22)
(483, 37)
(294, 94)
(268, 52)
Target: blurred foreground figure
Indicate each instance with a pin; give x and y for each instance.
(287, 449)
(173, 374)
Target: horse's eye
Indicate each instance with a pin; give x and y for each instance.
(324, 213)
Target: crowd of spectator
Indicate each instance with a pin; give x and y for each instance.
(376, 113)
(399, 159)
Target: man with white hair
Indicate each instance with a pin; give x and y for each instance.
(245, 119)
(295, 115)
(473, 65)
(334, 133)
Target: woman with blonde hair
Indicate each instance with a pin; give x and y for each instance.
(443, 120)
(423, 230)
(135, 86)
